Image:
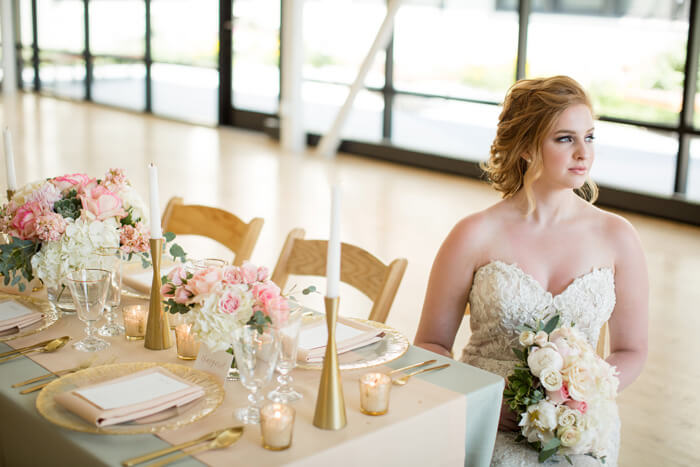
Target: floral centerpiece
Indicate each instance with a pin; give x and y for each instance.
(218, 299)
(562, 392)
(56, 225)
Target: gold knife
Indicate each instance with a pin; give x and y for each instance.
(23, 349)
(409, 367)
(177, 447)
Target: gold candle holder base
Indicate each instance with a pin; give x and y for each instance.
(157, 327)
(10, 194)
(330, 404)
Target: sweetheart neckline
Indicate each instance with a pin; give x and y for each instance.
(539, 285)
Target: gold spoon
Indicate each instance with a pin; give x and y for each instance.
(52, 346)
(223, 440)
(404, 379)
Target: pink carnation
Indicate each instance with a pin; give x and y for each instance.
(50, 226)
(265, 292)
(134, 239)
(46, 195)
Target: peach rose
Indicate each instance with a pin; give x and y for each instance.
(204, 280)
(559, 396)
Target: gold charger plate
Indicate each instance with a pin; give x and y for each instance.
(51, 315)
(47, 407)
(392, 346)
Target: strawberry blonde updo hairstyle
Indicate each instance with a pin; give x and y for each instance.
(530, 110)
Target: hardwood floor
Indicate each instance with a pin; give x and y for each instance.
(391, 210)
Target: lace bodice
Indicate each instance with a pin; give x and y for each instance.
(503, 298)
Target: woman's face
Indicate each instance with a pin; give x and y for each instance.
(567, 151)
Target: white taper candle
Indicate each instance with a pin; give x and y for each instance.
(9, 160)
(333, 256)
(156, 231)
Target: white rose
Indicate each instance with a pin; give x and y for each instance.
(541, 338)
(527, 338)
(551, 379)
(131, 199)
(544, 358)
(570, 436)
(569, 417)
(581, 384)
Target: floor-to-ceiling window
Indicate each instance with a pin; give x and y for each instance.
(431, 97)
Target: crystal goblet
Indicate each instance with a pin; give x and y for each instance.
(89, 289)
(110, 259)
(256, 355)
(289, 341)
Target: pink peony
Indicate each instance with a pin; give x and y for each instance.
(101, 203)
(560, 396)
(581, 406)
(230, 302)
(67, 182)
(204, 280)
(249, 272)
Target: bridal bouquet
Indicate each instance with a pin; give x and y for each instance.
(562, 391)
(55, 225)
(218, 299)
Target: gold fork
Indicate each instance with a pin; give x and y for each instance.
(86, 364)
(43, 385)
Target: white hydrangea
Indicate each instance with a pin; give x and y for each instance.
(215, 328)
(74, 249)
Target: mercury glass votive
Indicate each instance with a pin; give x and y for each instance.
(374, 393)
(187, 344)
(135, 317)
(276, 426)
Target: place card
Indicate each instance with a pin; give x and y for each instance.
(10, 309)
(132, 391)
(217, 363)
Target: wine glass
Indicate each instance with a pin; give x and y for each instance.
(110, 259)
(289, 341)
(256, 355)
(89, 288)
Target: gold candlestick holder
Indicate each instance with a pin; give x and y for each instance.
(330, 404)
(157, 328)
(10, 194)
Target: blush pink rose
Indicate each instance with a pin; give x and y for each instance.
(278, 310)
(265, 292)
(204, 280)
(25, 219)
(560, 396)
(581, 406)
(229, 302)
(100, 202)
(263, 274)
(249, 272)
(231, 275)
(167, 290)
(177, 275)
(182, 295)
(67, 182)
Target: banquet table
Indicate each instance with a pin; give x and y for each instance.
(459, 409)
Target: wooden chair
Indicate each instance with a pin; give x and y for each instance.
(217, 224)
(358, 268)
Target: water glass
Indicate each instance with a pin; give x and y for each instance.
(256, 356)
(89, 288)
(289, 342)
(110, 259)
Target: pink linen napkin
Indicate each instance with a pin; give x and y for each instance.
(130, 397)
(350, 335)
(14, 317)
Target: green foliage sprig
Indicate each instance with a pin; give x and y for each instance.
(16, 262)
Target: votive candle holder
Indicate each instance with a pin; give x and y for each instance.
(374, 393)
(187, 343)
(135, 317)
(276, 426)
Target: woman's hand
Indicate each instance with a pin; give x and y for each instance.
(508, 420)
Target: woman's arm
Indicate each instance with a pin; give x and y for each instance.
(448, 288)
(629, 320)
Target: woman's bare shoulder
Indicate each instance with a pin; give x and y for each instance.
(615, 230)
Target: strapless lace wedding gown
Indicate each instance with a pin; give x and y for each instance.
(503, 298)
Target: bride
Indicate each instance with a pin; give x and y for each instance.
(543, 248)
